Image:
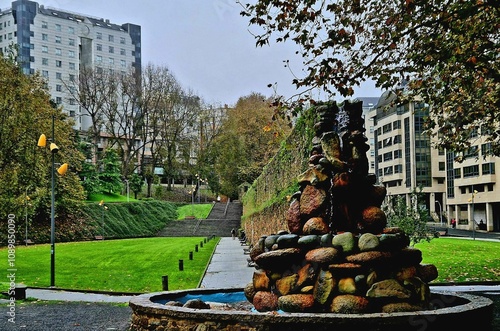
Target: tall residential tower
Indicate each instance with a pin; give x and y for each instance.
(59, 44)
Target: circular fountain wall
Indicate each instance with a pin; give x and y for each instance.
(150, 312)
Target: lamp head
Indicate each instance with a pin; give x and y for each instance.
(42, 141)
(54, 148)
(62, 169)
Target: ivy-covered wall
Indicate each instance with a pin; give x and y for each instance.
(265, 203)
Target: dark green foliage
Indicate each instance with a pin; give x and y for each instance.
(110, 176)
(135, 184)
(411, 218)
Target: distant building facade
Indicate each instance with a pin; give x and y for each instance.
(59, 44)
(405, 161)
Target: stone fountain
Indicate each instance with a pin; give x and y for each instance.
(337, 266)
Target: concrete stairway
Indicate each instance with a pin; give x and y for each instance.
(219, 223)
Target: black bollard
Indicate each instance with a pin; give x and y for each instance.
(181, 265)
(190, 255)
(195, 248)
(164, 283)
(201, 243)
(205, 240)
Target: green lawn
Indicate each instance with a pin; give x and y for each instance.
(137, 265)
(199, 211)
(461, 260)
(129, 265)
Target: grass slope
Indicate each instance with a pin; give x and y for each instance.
(199, 211)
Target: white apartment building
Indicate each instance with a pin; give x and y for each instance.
(406, 160)
(58, 44)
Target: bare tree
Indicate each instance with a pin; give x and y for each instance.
(158, 87)
(124, 118)
(90, 91)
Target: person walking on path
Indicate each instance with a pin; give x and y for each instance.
(233, 233)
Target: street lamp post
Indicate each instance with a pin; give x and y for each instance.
(474, 192)
(62, 170)
(26, 203)
(128, 190)
(440, 212)
(104, 208)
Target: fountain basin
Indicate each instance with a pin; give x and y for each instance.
(453, 310)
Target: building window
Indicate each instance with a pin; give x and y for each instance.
(71, 42)
(488, 168)
(58, 27)
(45, 49)
(123, 63)
(71, 78)
(387, 128)
(457, 173)
(59, 88)
(72, 66)
(98, 35)
(471, 171)
(397, 139)
(442, 166)
(71, 54)
(99, 47)
(396, 125)
(58, 100)
(71, 30)
(98, 59)
(388, 171)
(45, 37)
(111, 49)
(388, 142)
(111, 61)
(58, 39)
(122, 40)
(387, 156)
(72, 101)
(45, 61)
(45, 73)
(485, 149)
(45, 25)
(122, 51)
(471, 152)
(58, 75)
(111, 38)
(58, 63)
(398, 169)
(58, 51)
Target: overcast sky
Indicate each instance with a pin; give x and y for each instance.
(205, 43)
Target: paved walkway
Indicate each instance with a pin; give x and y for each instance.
(227, 269)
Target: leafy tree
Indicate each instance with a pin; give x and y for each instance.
(247, 140)
(135, 184)
(411, 218)
(26, 111)
(444, 53)
(109, 176)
